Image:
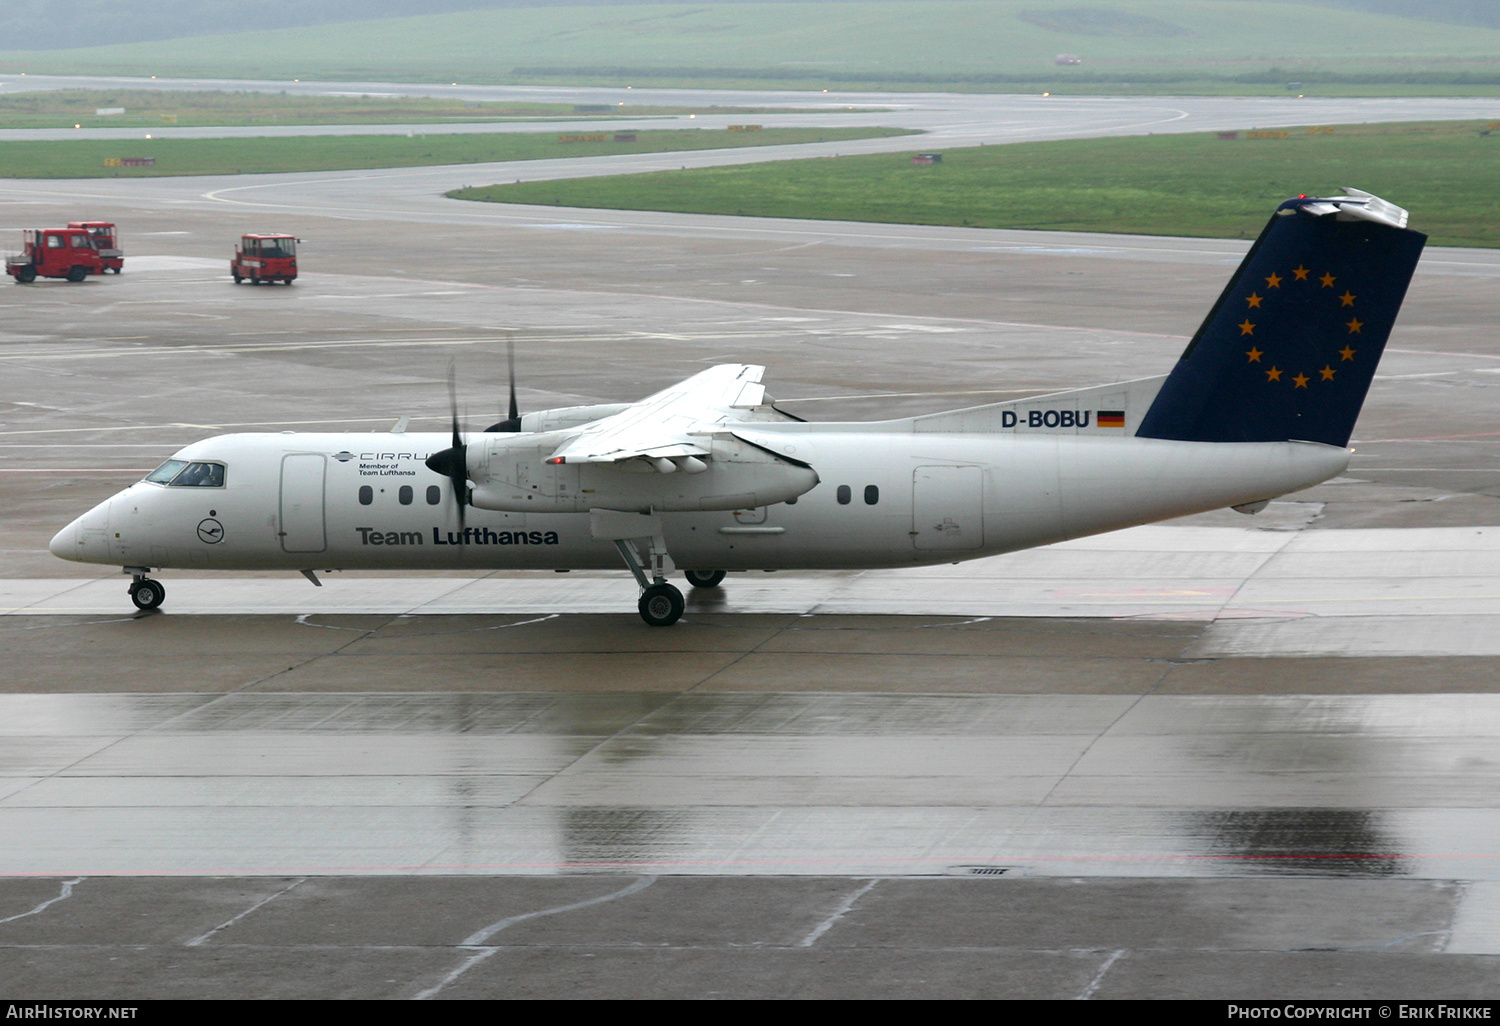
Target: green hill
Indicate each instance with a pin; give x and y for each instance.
(1157, 45)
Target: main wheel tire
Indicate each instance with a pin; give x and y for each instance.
(238, 279)
(77, 274)
(698, 579)
(26, 275)
(147, 594)
(661, 605)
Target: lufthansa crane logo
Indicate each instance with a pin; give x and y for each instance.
(210, 531)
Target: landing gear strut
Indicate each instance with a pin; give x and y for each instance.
(146, 593)
(661, 604)
(639, 539)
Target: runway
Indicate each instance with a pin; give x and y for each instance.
(1164, 762)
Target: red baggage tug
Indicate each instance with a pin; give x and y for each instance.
(265, 258)
(55, 253)
(106, 242)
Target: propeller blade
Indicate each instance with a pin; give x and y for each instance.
(453, 402)
(510, 359)
(453, 462)
(514, 423)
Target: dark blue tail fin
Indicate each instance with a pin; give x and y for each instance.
(1290, 348)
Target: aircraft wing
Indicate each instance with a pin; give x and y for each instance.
(669, 424)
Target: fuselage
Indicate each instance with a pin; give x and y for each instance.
(885, 497)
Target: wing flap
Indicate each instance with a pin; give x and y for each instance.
(670, 424)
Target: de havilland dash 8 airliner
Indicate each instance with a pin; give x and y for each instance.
(708, 475)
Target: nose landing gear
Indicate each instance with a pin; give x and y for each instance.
(661, 604)
(144, 592)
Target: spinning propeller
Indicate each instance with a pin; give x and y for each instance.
(453, 462)
(513, 423)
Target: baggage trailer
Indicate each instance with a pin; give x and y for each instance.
(106, 242)
(265, 258)
(54, 253)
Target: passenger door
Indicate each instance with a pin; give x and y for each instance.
(302, 522)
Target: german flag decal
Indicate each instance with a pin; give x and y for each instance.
(1112, 418)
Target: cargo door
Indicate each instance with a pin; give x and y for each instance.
(302, 523)
(947, 507)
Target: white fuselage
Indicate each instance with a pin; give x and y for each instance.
(885, 497)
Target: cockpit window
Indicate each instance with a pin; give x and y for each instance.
(181, 474)
(200, 475)
(165, 472)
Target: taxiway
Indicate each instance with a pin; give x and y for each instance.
(1226, 756)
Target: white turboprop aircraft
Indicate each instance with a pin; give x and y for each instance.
(709, 476)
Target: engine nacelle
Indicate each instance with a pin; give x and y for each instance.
(569, 416)
(513, 475)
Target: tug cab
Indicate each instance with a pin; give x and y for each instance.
(106, 242)
(265, 258)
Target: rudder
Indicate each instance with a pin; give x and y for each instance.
(1290, 348)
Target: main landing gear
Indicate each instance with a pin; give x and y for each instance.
(661, 604)
(144, 592)
(639, 539)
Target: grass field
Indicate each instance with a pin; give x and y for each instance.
(85, 158)
(1147, 45)
(1198, 185)
(147, 108)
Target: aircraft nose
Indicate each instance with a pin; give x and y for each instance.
(85, 539)
(62, 543)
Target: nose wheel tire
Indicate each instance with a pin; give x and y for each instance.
(700, 579)
(147, 594)
(661, 605)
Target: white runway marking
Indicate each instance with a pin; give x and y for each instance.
(481, 938)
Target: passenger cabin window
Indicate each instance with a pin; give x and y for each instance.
(55, 242)
(843, 495)
(82, 242)
(182, 474)
(434, 495)
(366, 495)
(404, 495)
(872, 494)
